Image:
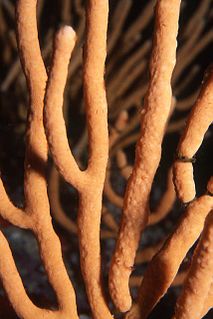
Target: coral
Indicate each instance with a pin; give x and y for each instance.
(119, 106)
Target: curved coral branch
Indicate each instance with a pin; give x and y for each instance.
(146, 254)
(123, 164)
(10, 212)
(135, 281)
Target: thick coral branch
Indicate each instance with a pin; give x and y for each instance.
(34, 69)
(198, 282)
(90, 182)
(10, 212)
(166, 202)
(165, 262)
(199, 120)
(148, 151)
(53, 115)
(36, 209)
(94, 86)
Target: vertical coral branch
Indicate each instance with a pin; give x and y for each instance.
(90, 182)
(199, 120)
(148, 151)
(34, 69)
(36, 208)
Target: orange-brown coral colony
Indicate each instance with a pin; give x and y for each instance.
(46, 129)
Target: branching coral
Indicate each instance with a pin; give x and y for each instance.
(36, 214)
(90, 182)
(95, 182)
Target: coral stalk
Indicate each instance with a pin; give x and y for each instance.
(148, 151)
(165, 262)
(199, 120)
(90, 182)
(198, 282)
(36, 214)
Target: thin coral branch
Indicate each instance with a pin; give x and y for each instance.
(187, 80)
(128, 101)
(115, 133)
(187, 102)
(113, 197)
(122, 163)
(124, 72)
(109, 220)
(204, 42)
(55, 205)
(166, 202)
(129, 80)
(140, 24)
(184, 50)
(135, 281)
(146, 254)
(15, 69)
(119, 17)
(193, 22)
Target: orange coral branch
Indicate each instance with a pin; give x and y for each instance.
(135, 281)
(54, 123)
(165, 262)
(55, 205)
(36, 201)
(146, 254)
(197, 124)
(148, 152)
(11, 213)
(89, 183)
(198, 281)
(166, 202)
(208, 303)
